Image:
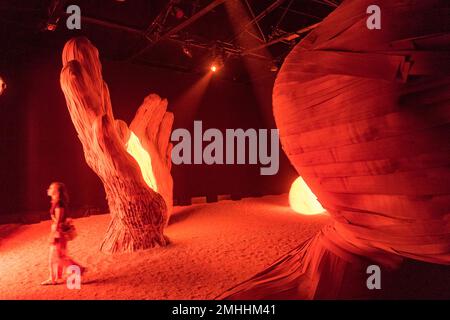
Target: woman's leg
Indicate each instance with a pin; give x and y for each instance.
(66, 261)
(62, 247)
(52, 265)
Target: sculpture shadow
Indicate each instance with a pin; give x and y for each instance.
(184, 214)
(8, 230)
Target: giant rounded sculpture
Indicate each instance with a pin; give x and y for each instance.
(364, 117)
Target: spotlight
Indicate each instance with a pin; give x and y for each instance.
(51, 26)
(218, 58)
(187, 50)
(276, 64)
(216, 65)
(178, 13)
(55, 12)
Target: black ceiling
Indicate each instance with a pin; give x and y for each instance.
(149, 32)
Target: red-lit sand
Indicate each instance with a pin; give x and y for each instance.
(214, 246)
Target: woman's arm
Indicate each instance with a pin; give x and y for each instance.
(59, 214)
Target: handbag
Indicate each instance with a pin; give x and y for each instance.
(68, 230)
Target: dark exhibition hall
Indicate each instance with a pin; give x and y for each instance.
(243, 150)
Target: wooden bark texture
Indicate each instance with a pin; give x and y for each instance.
(138, 214)
(364, 117)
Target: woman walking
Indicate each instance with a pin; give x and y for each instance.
(62, 231)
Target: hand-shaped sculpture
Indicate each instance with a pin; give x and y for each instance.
(133, 163)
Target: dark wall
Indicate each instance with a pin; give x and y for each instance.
(11, 136)
(39, 143)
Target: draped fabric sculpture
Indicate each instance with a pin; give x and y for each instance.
(139, 192)
(364, 117)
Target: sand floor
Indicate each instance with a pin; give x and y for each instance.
(213, 247)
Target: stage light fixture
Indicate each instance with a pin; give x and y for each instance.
(178, 13)
(218, 58)
(55, 12)
(187, 50)
(51, 26)
(216, 65)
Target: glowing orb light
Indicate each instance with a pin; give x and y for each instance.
(302, 200)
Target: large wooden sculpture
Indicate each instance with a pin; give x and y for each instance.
(138, 190)
(364, 116)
